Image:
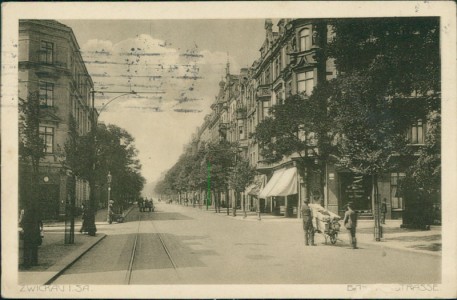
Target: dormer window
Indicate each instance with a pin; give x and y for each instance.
(305, 39)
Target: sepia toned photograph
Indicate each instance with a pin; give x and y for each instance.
(295, 153)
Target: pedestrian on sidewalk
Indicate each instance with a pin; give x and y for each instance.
(32, 226)
(84, 218)
(110, 213)
(350, 223)
(307, 217)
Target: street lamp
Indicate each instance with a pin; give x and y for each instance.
(108, 178)
(95, 115)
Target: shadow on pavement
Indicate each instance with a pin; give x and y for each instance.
(428, 247)
(53, 249)
(166, 216)
(388, 230)
(158, 216)
(414, 238)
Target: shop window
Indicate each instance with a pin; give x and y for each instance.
(305, 40)
(46, 94)
(46, 52)
(305, 82)
(47, 135)
(396, 194)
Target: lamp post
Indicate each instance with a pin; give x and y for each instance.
(108, 178)
(92, 179)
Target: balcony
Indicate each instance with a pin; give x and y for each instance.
(264, 92)
(243, 143)
(241, 113)
(224, 126)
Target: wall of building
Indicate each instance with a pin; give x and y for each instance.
(68, 84)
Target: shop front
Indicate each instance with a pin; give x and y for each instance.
(356, 189)
(280, 194)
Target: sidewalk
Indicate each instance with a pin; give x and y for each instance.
(54, 256)
(414, 240)
(100, 218)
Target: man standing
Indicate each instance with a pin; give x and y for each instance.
(350, 222)
(31, 225)
(307, 216)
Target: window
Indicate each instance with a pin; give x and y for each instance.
(305, 40)
(267, 76)
(277, 66)
(46, 52)
(288, 88)
(47, 135)
(46, 94)
(416, 133)
(395, 190)
(278, 96)
(305, 82)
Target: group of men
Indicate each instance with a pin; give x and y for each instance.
(349, 221)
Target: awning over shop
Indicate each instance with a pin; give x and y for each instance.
(282, 183)
(249, 188)
(255, 188)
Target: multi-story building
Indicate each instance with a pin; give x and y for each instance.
(51, 65)
(292, 61)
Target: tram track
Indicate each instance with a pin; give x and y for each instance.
(130, 268)
(146, 248)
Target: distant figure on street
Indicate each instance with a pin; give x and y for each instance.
(140, 204)
(90, 226)
(110, 213)
(83, 217)
(307, 216)
(31, 226)
(383, 211)
(350, 223)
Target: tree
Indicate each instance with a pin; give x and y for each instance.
(241, 176)
(389, 76)
(115, 152)
(31, 145)
(303, 126)
(221, 157)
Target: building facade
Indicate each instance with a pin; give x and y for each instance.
(50, 65)
(292, 61)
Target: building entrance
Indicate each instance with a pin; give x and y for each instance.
(356, 189)
(49, 201)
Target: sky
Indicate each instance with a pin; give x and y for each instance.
(174, 66)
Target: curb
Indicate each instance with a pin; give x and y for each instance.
(70, 259)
